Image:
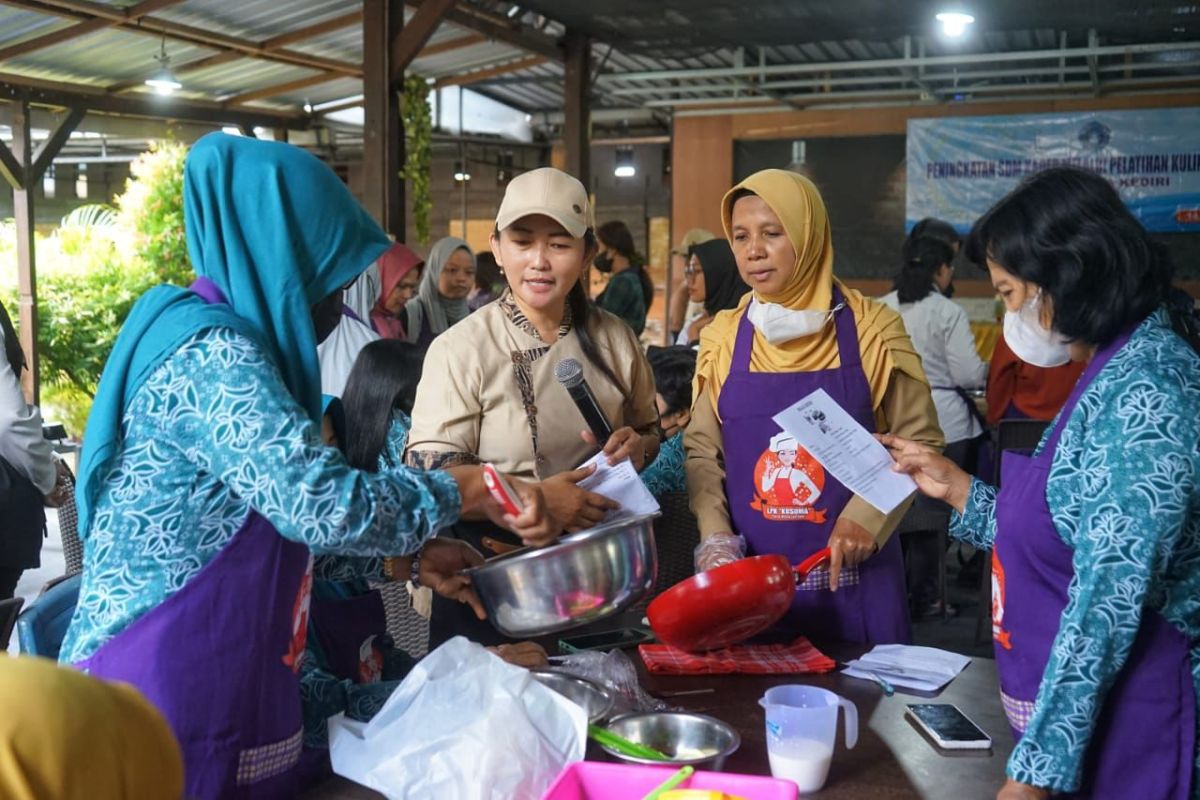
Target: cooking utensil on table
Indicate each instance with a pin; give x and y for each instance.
(729, 604)
(590, 696)
(581, 578)
(620, 746)
(681, 737)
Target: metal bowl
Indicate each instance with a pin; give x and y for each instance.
(694, 739)
(591, 697)
(581, 578)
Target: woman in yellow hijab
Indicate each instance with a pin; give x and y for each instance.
(753, 488)
(67, 736)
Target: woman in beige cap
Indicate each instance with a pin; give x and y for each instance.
(489, 393)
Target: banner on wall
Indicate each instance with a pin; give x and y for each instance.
(959, 167)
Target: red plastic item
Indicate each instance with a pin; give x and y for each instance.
(729, 604)
(500, 491)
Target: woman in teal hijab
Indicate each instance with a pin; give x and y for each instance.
(204, 485)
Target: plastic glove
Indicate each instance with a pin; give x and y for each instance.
(718, 550)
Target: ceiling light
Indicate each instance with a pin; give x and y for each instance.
(624, 165)
(460, 172)
(512, 12)
(163, 80)
(954, 23)
(308, 108)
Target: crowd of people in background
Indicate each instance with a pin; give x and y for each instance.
(446, 362)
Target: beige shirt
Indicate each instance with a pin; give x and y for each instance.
(488, 393)
(907, 410)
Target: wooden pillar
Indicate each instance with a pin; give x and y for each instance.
(23, 169)
(26, 266)
(383, 129)
(701, 172)
(577, 90)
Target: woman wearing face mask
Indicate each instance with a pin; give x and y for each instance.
(1096, 537)
(713, 280)
(629, 292)
(488, 391)
(799, 331)
(442, 299)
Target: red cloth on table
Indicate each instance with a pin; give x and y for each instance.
(750, 659)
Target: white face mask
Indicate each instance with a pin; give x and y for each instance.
(779, 324)
(1030, 340)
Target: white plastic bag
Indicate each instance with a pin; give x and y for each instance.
(464, 725)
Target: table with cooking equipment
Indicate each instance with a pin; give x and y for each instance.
(892, 759)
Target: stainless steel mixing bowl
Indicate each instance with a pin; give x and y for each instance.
(591, 697)
(581, 578)
(695, 739)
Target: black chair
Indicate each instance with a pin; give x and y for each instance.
(9, 611)
(1018, 436)
(930, 518)
(676, 536)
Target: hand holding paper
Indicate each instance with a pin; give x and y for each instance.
(846, 449)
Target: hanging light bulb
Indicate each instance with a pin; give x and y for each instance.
(954, 23)
(625, 167)
(460, 172)
(163, 80)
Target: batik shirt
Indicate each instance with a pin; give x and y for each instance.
(322, 693)
(666, 474)
(212, 434)
(1124, 495)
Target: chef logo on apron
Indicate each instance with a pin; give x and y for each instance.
(1001, 636)
(788, 481)
(300, 619)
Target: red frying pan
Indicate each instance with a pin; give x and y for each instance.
(729, 604)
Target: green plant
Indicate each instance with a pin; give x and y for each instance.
(151, 213)
(418, 131)
(92, 269)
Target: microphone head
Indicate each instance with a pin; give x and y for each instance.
(569, 372)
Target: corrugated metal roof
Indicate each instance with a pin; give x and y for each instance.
(629, 37)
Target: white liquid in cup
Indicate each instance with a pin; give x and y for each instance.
(804, 762)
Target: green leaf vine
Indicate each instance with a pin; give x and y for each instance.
(418, 131)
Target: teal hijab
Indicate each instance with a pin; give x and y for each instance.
(274, 231)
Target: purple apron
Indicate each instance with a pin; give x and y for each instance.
(784, 502)
(219, 657)
(1145, 735)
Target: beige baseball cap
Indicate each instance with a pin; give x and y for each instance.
(692, 238)
(550, 192)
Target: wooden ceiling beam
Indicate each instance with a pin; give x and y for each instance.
(79, 29)
(282, 88)
(467, 78)
(84, 11)
(17, 88)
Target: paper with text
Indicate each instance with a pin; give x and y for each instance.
(620, 483)
(846, 449)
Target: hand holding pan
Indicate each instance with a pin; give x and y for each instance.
(729, 604)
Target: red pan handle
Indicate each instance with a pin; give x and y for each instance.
(809, 564)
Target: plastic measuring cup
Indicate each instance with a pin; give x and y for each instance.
(801, 730)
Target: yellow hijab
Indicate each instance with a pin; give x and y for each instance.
(67, 736)
(882, 339)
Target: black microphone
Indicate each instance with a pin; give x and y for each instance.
(570, 374)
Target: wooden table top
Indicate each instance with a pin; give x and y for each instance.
(893, 758)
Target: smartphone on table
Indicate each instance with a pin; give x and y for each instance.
(605, 640)
(948, 727)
